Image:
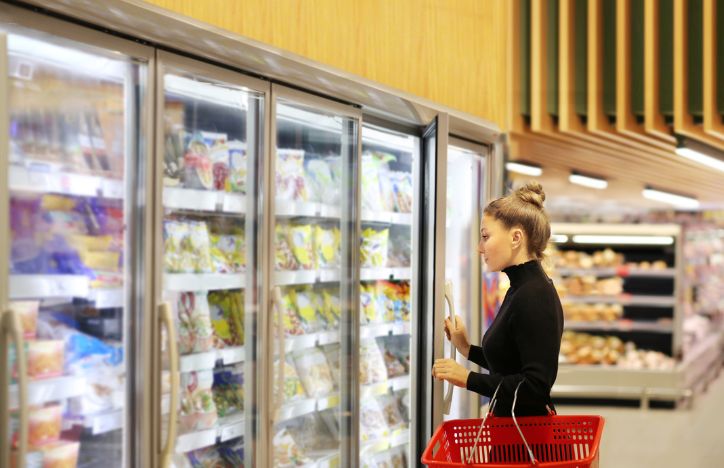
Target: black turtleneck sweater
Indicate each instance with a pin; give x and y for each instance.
(522, 343)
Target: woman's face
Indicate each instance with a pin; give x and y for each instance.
(495, 244)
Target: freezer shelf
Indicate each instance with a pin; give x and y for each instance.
(98, 423)
(227, 428)
(203, 200)
(289, 209)
(48, 286)
(292, 277)
(208, 360)
(23, 179)
(392, 274)
(294, 343)
(47, 390)
(397, 438)
(203, 281)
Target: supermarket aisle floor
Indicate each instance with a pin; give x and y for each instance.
(635, 438)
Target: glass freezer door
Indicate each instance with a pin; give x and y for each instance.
(390, 169)
(466, 172)
(211, 132)
(313, 291)
(69, 214)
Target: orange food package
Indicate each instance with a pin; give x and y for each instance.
(45, 358)
(28, 313)
(44, 425)
(62, 454)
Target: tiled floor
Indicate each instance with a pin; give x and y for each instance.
(635, 438)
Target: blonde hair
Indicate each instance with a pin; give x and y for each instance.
(524, 208)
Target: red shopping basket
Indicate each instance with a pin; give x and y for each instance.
(555, 441)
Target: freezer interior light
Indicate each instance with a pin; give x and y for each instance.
(622, 239)
(701, 158)
(205, 91)
(587, 181)
(559, 238)
(375, 136)
(524, 168)
(680, 201)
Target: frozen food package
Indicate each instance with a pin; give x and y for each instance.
(396, 298)
(228, 389)
(331, 307)
(293, 389)
(290, 183)
(226, 310)
(195, 332)
(237, 167)
(228, 252)
(391, 410)
(308, 308)
(287, 453)
(375, 166)
(233, 452)
(331, 352)
(302, 243)
(219, 157)
(373, 250)
(314, 371)
(372, 420)
(311, 433)
(173, 156)
(400, 247)
(198, 410)
(45, 358)
(403, 400)
(320, 183)
(176, 258)
(207, 457)
(44, 424)
(199, 246)
(327, 242)
(401, 191)
(198, 170)
(290, 319)
(219, 259)
(284, 256)
(27, 311)
(393, 355)
(61, 454)
(105, 392)
(372, 364)
(371, 313)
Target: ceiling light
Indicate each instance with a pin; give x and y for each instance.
(559, 238)
(700, 153)
(618, 240)
(588, 181)
(679, 201)
(524, 168)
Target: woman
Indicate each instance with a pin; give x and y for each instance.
(520, 349)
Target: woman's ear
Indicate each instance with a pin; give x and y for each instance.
(516, 237)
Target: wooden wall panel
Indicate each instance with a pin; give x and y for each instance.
(713, 124)
(454, 53)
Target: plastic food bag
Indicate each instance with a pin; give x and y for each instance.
(327, 243)
(226, 309)
(228, 389)
(331, 352)
(194, 323)
(286, 452)
(320, 182)
(400, 248)
(394, 354)
(331, 308)
(302, 244)
(308, 308)
(237, 167)
(198, 410)
(311, 433)
(44, 424)
(375, 168)
(198, 171)
(372, 364)
(401, 191)
(293, 389)
(200, 246)
(291, 322)
(373, 251)
(372, 420)
(219, 157)
(285, 259)
(290, 175)
(177, 256)
(314, 372)
(391, 411)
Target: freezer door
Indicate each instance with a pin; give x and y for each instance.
(465, 200)
(390, 218)
(211, 130)
(314, 282)
(71, 122)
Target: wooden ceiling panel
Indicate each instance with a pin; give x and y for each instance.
(713, 124)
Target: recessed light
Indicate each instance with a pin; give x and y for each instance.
(524, 168)
(587, 181)
(677, 200)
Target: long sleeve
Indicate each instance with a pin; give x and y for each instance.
(535, 330)
(477, 356)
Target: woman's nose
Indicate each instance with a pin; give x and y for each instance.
(481, 247)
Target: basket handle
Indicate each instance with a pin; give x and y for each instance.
(494, 400)
(447, 402)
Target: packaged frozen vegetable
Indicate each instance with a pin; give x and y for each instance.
(315, 374)
(373, 165)
(395, 363)
(198, 171)
(320, 182)
(311, 433)
(228, 389)
(373, 250)
(327, 243)
(226, 309)
(372, 364)
(371, 312)
(331, 307)
(400, 247)
(293, 389)
(228, 252)
(391, 411)
(284, 256)
(290, 183)
(177, 258)
(372, 420)
(46, 358)
(302, 243)
(237, 167)
(332, 353)
(44, 424)
(198, 410)
(195, 333)
(308, 308)
(401, 191)
(28, 313)
(200, 246)
(290, 319)
(287, 453)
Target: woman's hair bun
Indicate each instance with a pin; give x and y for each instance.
(532, 192)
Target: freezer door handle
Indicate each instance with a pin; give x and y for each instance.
(11, 327)
(166, 320)
(278, 303)
(453, 351)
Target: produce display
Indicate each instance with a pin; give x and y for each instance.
(582, 348)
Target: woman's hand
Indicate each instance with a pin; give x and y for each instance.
(458, 335)
(448, 369)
